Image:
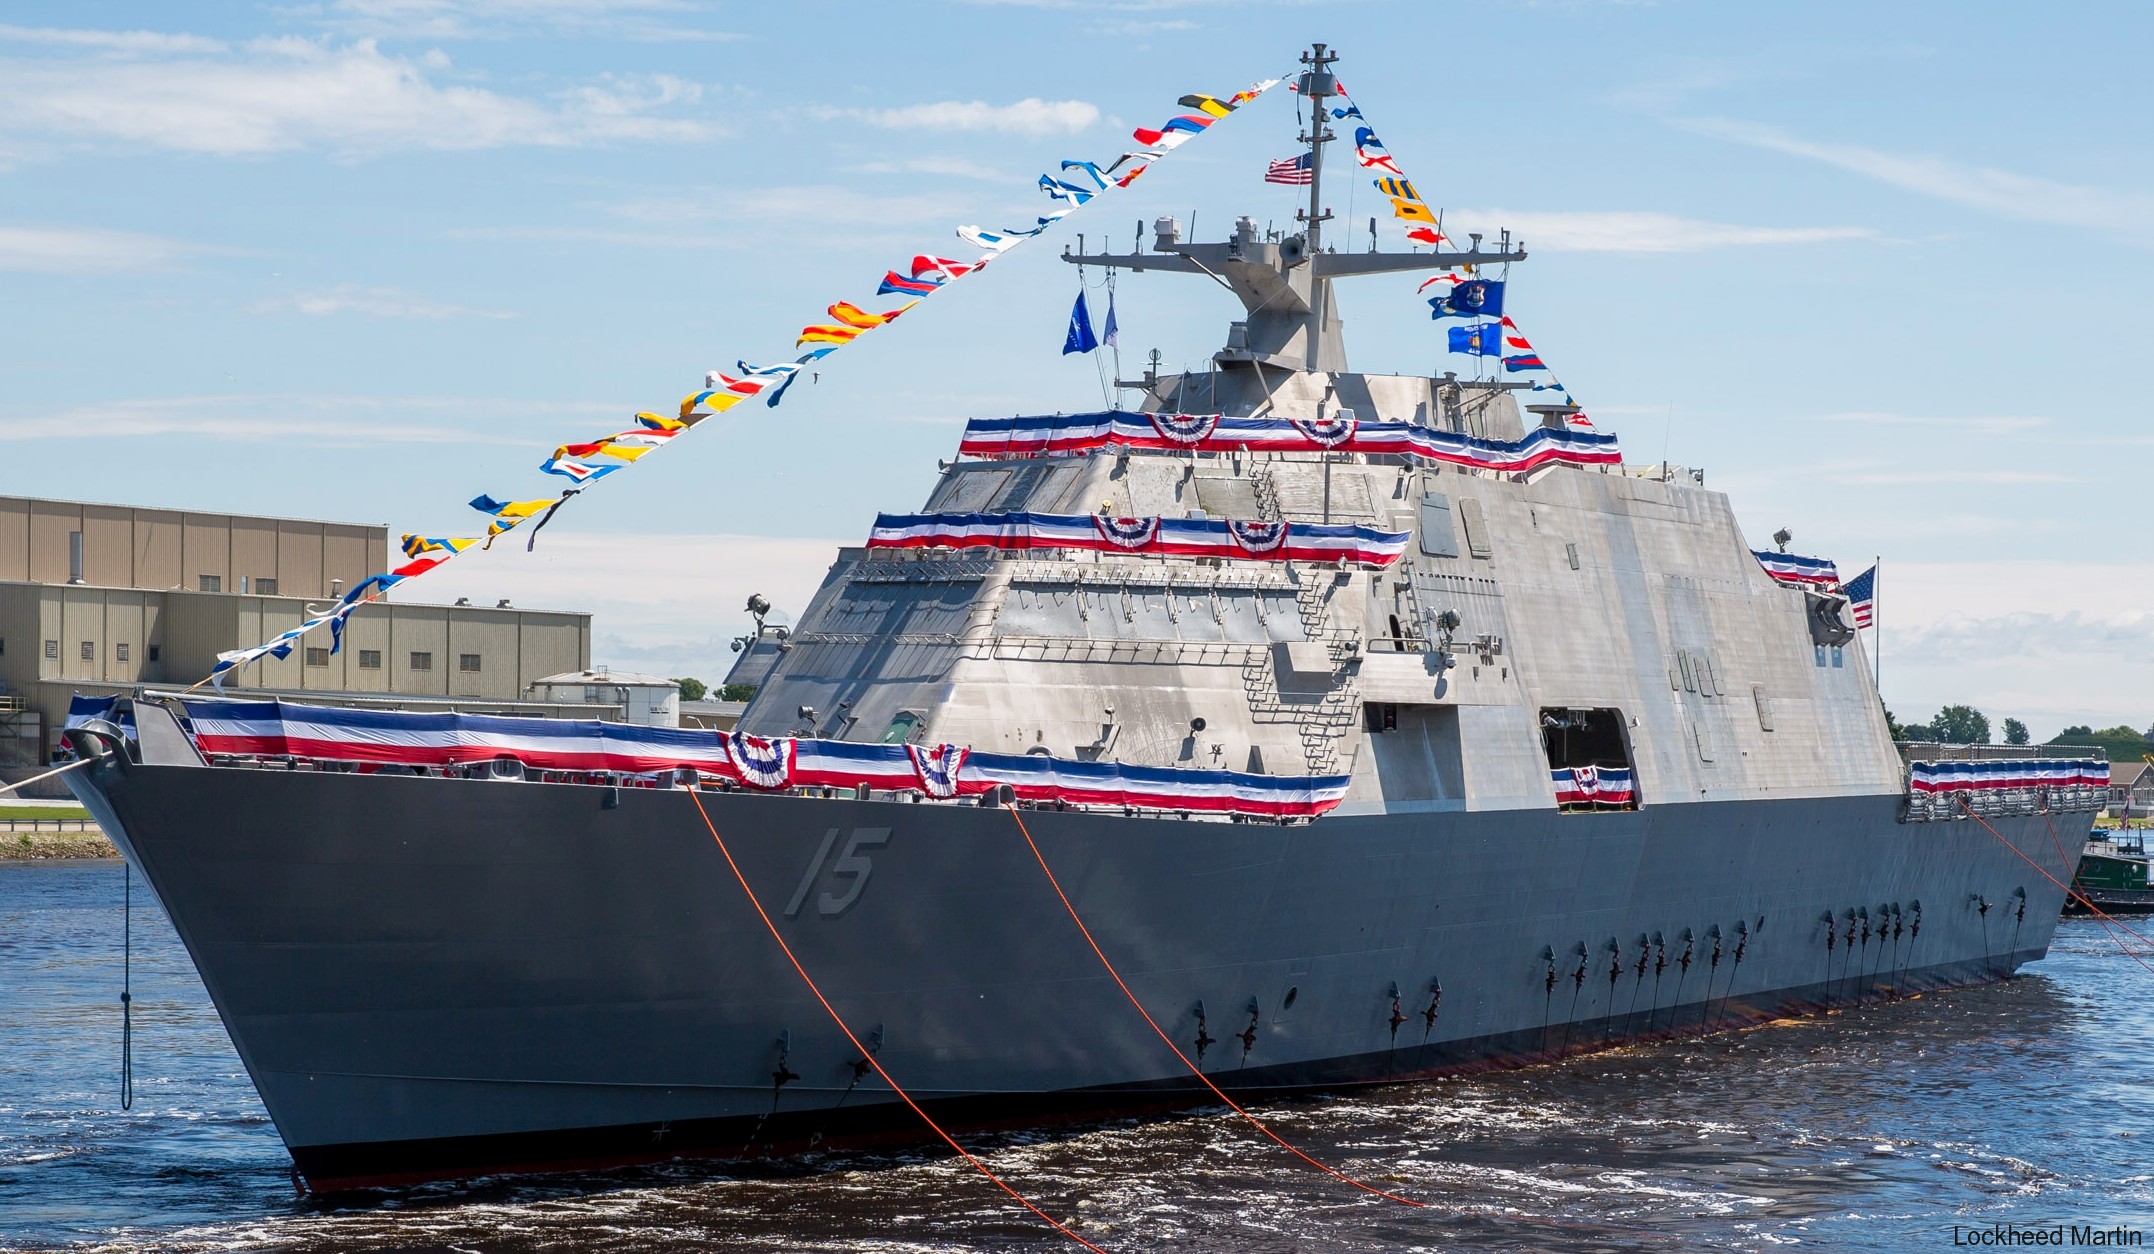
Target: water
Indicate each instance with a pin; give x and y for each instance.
(1874, 1130)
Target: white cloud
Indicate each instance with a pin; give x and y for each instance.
(645, 615)
(944, 167)
(282, 94)
(1637, 232)
(379, 302)
(84, 250)
(1030, 116)
(124, 42)
(482, 19)
(324, 418)
(1977, 187)
(1960, 426)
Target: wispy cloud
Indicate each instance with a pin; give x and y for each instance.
(1978, 187)
(1619, 231)
(125, 42)
(1910, 478)
(641, 20)
(944, 167)
(304, 419)
(1030, 116)
(793, 206)
(85, 250)
(378, 302)
(288, 93)
(1964, 426)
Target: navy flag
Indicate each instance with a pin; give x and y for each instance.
(1483, 339)
(1080, 338)
(1475, 298)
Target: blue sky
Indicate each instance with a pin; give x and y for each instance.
(1878, 268)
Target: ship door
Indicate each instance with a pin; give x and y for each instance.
(1589, 759)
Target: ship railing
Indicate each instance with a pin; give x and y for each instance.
(1934, 807)
(687, 777)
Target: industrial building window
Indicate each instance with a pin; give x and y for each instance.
(370, 659)
(211, 583)
(119, 653)
(154, 651)
(266, 587)
(317, 657)
(422, 661)
(52, 650)
(468, 663)
(89, 650)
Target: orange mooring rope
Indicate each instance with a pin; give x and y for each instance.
(2075, 894)
(1254, 1122)
(865, 1052)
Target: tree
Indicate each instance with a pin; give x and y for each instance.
(691, 689)
(1960, 725)
(2077, 729)
(737, 692)
(2015, 732)
(1892, 725)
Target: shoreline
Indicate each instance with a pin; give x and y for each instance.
(47, 846)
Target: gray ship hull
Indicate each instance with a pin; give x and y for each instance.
(431, 977)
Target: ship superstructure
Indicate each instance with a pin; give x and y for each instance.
(1562, 764)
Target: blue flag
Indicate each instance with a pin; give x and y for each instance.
(1484, 339)
(1475, 298)
(1111, 334)
(1080, 338)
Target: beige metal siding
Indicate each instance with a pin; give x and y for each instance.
(206, 549)
(14, 538)
(351, 553)
(157, 549)
(419, 629)
(108, 548)
(50, 523)
(299, 560)
(254, 554)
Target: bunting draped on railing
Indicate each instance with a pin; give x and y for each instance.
(278, 729)
(1215, 433)
(1798, 571)
(2006, 773)
(1162, 537)
(1075, 184)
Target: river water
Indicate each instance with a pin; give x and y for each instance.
(2030, 1102)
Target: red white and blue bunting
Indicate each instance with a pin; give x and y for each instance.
(277, 729)
(1068, 434)
(2006, 774)
(1161, 537)
(1606, 787)
(1797, 571)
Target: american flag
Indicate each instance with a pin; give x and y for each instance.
(1293, 170)
(1862, 596)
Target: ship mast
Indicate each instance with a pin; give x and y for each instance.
(1317, 84)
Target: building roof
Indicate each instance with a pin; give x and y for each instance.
(618, 679)
(2126, 774)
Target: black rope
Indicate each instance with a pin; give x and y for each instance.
(127, 995)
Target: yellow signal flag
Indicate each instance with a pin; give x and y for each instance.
(716, 401)
(1211, 105)
(827, 335)
(1400, 188)
(659, 422)
(1412, 211)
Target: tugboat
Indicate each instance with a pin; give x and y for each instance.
(2112, 875)
(1372, 732)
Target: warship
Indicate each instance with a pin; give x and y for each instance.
(1377, 726)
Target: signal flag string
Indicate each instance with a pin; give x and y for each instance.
(865, 1052)
(1253, 1121)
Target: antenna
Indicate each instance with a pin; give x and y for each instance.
(1318, 84)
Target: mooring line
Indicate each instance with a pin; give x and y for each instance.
(2098, 912)
(802, 972)
(1198, 1072)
